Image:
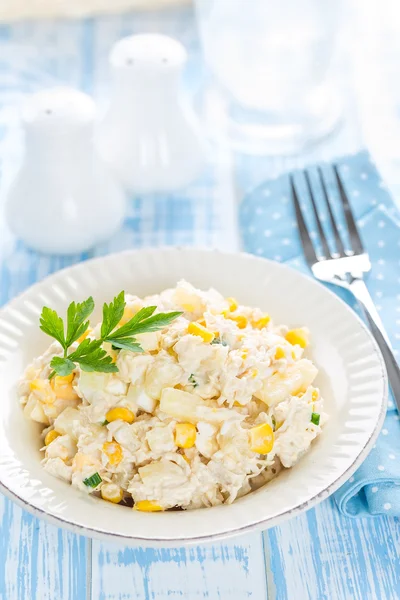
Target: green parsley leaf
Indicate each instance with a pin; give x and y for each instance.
(144, 325)
(77, 314)
(112, 314)
(127, 343)
(93, 481)
(315, 418)
(91, 357)
(61, 366)
(53, 325)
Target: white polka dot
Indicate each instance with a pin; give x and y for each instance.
(381, 244)
(381, 468)
(387, 506)
(267, 232)
(351, 479)
(397, 321)
(251, 229)
(284, 199)
(397, 336)
(361, 224)
(381, 224)
(397, 308)
(396, 417)
(355, 193)
(267, 192)
(390, 404)
(374, 489)
(293, 224)
(385, 432)
(378, 294)
(276, 216)
(364, 176)
(344, 168)
(395, 352)
(313, 235)
(392, 456)
(380, 276)
(260, 250)
(259, 210)
(382, 185)
(286, 242)
(398, 297)
(277, 257)
(374, 202)
(381, 261)
(378, 307)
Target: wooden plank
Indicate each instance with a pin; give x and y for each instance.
(232, 569)
(326, 556)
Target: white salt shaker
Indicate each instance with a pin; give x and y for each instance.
(149, 135)
(64, 199)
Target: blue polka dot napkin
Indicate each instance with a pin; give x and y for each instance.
(269, 229)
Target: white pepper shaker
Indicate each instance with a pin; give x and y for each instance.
(64, 199)
(149, 134)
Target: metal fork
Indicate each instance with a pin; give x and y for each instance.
(344, 267)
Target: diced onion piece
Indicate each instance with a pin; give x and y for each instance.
(64, 423)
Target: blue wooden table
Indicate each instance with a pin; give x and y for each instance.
(320, 555)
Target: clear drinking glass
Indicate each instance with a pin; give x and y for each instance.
(271, 70)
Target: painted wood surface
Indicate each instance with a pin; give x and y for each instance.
(317, 556)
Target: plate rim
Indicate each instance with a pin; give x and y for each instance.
(266, 523)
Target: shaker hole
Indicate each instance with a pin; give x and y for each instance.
(165, 60)
(130, 61)
(48, 111)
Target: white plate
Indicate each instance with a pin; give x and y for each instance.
(352, 379)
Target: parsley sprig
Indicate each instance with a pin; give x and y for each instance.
(90, 354)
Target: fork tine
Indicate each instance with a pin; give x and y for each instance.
(324, 242)
(306, 242)
(355, 239)
(338, 239)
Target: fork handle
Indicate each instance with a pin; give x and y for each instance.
(360, 291)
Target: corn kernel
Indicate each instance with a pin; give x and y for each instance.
(278, 425)
(240, 320)
(254, 373)
(233, 305)
(297, 336)
(43, 390)
(187, 307)
(113, 451)
(236, 403)
(111, 492)
(261, 323)
(147, 506)
(314, 395)
(120, 412)
(244, 353)
(280, 353)
(185, 435)
(62, 387)
(51, 436)
(197, 329)
(261, 438)
(202, 322)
